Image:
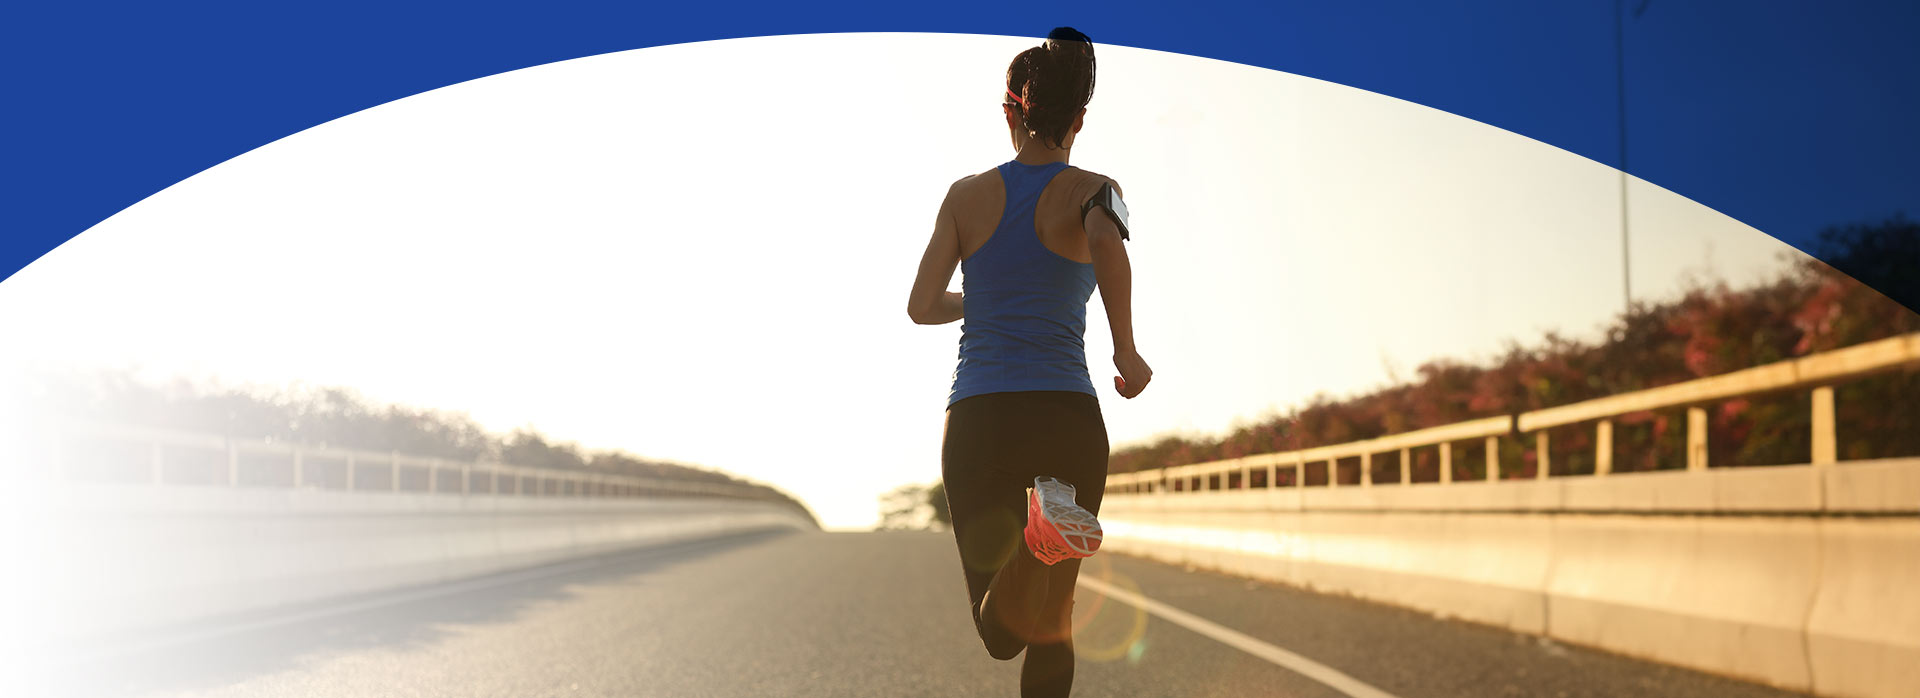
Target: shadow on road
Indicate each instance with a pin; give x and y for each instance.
(230, 650)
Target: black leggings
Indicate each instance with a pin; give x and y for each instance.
(995, 445)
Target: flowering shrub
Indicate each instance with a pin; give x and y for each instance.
(1709, 330)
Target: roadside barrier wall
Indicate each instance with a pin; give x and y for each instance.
(115, 559)
(1732, 571)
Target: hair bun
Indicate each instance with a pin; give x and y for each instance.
(1054, 81)
(1067, 34)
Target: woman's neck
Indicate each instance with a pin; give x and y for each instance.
(1036, 153)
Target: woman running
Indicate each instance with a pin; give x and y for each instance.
(1032, 236)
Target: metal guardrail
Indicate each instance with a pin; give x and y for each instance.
(1818, 372)
(236, 462)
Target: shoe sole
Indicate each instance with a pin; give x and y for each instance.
(1057, 527)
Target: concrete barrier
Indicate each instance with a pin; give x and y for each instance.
(1723, 594)
(1694, 569)
(126, 558)
(1863, 631)
(1487, 568)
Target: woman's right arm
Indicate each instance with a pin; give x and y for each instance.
(1113, 273)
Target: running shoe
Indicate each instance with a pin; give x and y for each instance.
(1057, 528)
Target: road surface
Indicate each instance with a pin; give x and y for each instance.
(847, 615)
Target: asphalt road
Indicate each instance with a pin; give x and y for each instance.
(849, 614)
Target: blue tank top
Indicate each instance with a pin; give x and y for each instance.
(1026, 307)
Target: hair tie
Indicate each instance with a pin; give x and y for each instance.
(1017, 99)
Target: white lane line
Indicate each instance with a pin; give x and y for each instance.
(1322, 673)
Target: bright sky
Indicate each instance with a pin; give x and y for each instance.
(702, 252)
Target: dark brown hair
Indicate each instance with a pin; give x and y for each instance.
(1054, 81)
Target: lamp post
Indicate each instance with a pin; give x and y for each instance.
(1620, 86)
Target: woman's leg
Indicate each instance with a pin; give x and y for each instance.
(1078, 456)
(987, 502)
(1048, 670)
(995, 445)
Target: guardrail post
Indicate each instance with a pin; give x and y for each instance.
(1366, 470)
(433, 476)
(233, 464)
(1406, 467)
(1603, 448)
(1446, 463)
(296, 467)
(493, 484)
(1333, 472)
(1246, 476)
(1696, 438)
(1542, 455)
(350, 468)
(1826, 441)
(393, 458)
(1493, 459)
(466, 479)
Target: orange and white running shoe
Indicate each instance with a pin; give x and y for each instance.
(1057, 528)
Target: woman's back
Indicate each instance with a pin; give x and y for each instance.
(982, 205)
(1027, 274)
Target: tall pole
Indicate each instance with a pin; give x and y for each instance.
(1620, 85)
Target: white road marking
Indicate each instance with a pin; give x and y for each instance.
(1322, 673)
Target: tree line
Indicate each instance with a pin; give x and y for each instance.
(1712, 329)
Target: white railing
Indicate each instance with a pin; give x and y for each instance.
(165, 456)
(1818, 372)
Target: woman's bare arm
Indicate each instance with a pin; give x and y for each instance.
(1113, 272)
(930, 303)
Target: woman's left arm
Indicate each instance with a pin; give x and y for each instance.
(931, 303)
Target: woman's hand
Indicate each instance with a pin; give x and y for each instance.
(1134, 373)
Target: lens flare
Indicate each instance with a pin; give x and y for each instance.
(1103, 631)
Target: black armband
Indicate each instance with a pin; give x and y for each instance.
(1108, 200)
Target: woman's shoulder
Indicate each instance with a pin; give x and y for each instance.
(975, 188)
(1085, 183)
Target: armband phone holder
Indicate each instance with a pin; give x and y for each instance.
(1108, 200)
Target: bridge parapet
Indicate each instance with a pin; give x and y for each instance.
(1803, 576)
(1877, 487)
(139, 530)
(122, 453)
